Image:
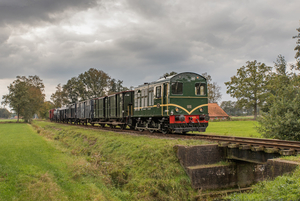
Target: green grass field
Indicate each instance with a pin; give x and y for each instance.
(233, 128)
(31, 168)
(62, 162)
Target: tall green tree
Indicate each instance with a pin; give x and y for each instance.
(74, 90)
(277, 82)
(96, 82)
(116, 86)
(90, 84)
(26, 96)
(249, 85)
(297, 49)
(281, 118)
(59, 97)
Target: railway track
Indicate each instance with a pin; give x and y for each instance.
(231, 141)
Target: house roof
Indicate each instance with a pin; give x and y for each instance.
(214, 110)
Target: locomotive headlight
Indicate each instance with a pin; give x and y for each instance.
(201, 109)
(177, 109)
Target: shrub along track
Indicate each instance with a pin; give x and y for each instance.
(283, 147)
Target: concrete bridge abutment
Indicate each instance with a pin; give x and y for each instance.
(218, 166)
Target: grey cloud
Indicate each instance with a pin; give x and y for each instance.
(35, 12)
(145, 38)
(148, 9)
(137, 43)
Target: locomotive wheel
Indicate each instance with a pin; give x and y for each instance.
(141, 130)
(151, 131)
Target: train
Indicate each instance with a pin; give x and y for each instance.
(173, 104)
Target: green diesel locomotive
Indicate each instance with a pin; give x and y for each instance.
(172, 104)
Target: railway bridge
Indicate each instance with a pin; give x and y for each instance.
(236, 162)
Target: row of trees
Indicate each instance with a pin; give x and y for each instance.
(90, 84)
(26, 94)
(234, 109)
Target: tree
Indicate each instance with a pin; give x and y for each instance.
(25, 96)
(116, 86)
(44, 111)
(59, 98)
(281, 117)
(90, 84)
(277, 82)
(4, 113)
(297, 48)
(249, 86)
(96, 83)
(213, 89)
(74, 90)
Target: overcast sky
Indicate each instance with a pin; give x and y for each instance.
(139, 40)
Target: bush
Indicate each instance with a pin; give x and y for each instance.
(282, 121)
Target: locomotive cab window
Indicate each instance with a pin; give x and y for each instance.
(177, 88)
(158, 92)
(200, 89)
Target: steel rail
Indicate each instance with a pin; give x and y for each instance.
(249, 139)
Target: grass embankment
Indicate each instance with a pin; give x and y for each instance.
(83, 164)
(32, 169)
(234, 128)
(282, 188)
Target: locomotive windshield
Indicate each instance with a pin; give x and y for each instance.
(177, 88)
(200, 89)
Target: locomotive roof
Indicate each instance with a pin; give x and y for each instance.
(167, 79)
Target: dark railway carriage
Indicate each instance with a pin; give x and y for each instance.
(173, 104)
(119, 108)
(99, 108)
(62, 114)
(111, 103)
(71, 113)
